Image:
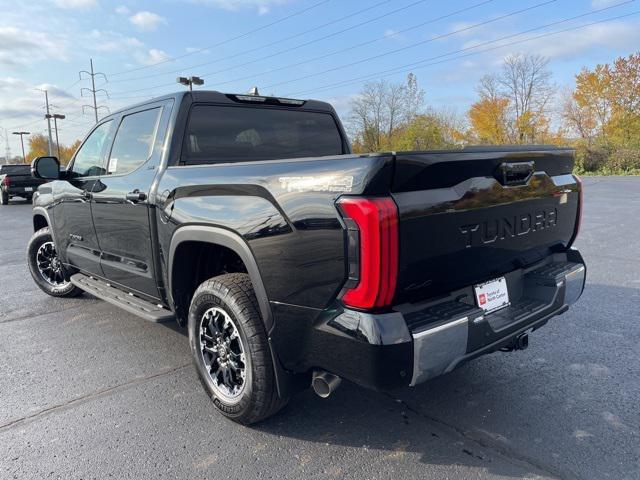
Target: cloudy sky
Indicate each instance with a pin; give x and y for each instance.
(323, 49)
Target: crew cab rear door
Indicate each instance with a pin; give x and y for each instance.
(121, 200)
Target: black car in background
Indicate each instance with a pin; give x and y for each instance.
(17, 181)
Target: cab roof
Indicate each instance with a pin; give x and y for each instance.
(212, 96)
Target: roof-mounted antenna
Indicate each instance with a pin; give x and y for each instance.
(254, 91)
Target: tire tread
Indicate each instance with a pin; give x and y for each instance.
(236, 288)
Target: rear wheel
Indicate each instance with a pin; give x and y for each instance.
(46, 268)
(230, 349)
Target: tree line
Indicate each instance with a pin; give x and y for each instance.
(519, 104)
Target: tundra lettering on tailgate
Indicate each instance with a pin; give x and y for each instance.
(503, 228)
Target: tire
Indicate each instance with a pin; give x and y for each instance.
(39, 251)
(229, 300)
(4, 198)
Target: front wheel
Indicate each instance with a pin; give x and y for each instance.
(46, 267)
(230, 349)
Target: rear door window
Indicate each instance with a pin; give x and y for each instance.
(134, 140)
(218, 134)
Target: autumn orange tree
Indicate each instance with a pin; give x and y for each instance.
(513, 103)
(604, 112)
(39, 147)
(488, 116)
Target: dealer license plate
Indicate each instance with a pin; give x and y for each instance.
(28, 189)
(492, 295)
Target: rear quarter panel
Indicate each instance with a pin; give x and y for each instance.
(283, 209)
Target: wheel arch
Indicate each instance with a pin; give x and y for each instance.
(40, 220)
(217, 236)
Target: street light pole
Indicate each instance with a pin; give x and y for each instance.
(46, 100)
(56, 117)
(24, 157)
(190, 81)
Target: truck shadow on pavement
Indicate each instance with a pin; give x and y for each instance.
(550, 410)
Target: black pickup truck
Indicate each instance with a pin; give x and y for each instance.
(16, 181)
(295, 262)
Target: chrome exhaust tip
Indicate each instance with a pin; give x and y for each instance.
(324, 383)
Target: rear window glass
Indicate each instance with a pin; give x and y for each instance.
(218, 134)
(15, 169)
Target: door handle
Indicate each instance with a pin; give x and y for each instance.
(136, 196)
(85, 195)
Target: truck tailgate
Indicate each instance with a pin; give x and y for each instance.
(25, 181)
(472, 215)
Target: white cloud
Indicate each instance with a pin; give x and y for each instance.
(261, 6)
(70, 4)
(147, 20)
(567, 44)
(573, 43)
(22, 103)
(54, 90)
(16, 48)
(122, 10)
(152, 56)
(110, 41)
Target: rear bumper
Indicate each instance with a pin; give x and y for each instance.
(16, 191)
(459, 335)
(418, 342)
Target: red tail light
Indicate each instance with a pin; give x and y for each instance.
(377, 223)
(6, 181)
(576, 231)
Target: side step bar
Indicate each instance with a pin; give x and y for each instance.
(119, 298)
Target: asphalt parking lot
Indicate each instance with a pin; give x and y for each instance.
(90, 391)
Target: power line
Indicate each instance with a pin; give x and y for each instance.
(296, 47)
(409, 67)
(377, 39)
(261, 47)
(413, 45)
(237, 37)
(397, 50)
(335, 34)
(297, 35)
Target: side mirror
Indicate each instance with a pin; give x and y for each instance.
(47, 168)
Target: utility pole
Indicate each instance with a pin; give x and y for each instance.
(7, 148)
(56, 117)
(24, 157)
(190, 81)
(93, 90)
(46, 100)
